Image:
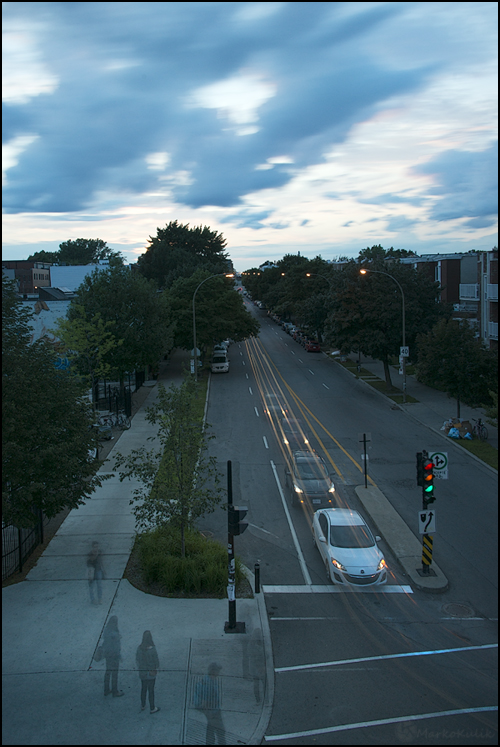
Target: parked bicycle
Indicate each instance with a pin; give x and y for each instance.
(113, 420)
(479, 430)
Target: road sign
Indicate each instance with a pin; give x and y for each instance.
(404, 352)
(427, 521)
(440, 461)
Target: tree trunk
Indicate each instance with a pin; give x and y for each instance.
(387, 372)
(458, 408)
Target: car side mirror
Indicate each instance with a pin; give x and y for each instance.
(322, 539)
(377, 538)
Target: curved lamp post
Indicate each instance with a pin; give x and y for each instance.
(379, 272)
(195, 353)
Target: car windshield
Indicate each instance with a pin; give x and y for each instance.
(351, 536)
(312, 471)
(219, 359)
(292, 426)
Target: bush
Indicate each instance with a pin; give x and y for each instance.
(203, 570)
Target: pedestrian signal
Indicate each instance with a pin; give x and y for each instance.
(235, 515)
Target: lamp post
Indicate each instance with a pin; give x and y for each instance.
(195, 350)
(379, 272)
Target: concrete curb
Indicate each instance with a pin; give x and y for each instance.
(403, 543)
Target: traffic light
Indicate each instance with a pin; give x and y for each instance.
(420, 469)
(428, 485)
(234, 519)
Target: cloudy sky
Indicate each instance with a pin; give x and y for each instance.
(318, 128)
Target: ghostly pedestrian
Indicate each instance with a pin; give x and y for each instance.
(112, 653)
(148, 664)
(95, 573)
(208, 699)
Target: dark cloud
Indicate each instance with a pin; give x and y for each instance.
(125, 70)
(466, 183)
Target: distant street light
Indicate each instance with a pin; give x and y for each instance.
(195, 350)
(403, 358)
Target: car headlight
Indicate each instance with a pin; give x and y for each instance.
(297, 489)
(381, 565)
(286, 441)
(338, 565)
(331, 489)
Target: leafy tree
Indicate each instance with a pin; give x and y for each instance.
(366, 311)
(177, 251)
(220, 311)
(88, 343)
(43, 256)
(378, 252)
(85, 252)
(174, 477)
(451, 358)
(46, 426)
(139, 313)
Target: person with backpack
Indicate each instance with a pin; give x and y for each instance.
(148, 664)
(111, 650)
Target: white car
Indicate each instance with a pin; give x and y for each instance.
(348, 548)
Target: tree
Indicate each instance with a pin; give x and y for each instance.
(366, 311)
(88, 343)
(46, 426)
(85, 252)
(220, 311)
(140, 315)
(378, 252)
(451, 358)
(43, 256)
(174, 477)
(177, 251)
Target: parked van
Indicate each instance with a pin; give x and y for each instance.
(220, 363)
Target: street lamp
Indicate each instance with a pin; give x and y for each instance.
(195, 351)
(403, 358)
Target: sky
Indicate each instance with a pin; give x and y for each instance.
(319, 128)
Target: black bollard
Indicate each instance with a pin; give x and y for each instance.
(257, 578)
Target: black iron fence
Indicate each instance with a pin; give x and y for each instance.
(18, 544)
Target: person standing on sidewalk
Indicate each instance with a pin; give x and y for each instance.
(95, 572)
(208, 700)
(112, 654)
(148, 664)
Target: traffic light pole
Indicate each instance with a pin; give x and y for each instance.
(425, 478)
(231, 626)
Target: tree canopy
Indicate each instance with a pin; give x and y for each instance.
(79, 252)
(177, 251)
(452, 358)
(220, 311)
(140, 316)
(46, 425)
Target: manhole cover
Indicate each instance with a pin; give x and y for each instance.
(455, 609)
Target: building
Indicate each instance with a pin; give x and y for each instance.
(29, 275)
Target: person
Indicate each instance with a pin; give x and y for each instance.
(148, 664)
(95, 572)
(208, 699)
(112, 654)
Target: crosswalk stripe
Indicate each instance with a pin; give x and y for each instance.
(324, 589)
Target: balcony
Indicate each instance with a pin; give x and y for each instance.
(493, 330)
(469, 291)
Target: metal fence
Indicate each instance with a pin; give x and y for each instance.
(18, 544)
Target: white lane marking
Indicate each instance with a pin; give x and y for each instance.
(302, 562)
(337, 589)
(243, 362)
(250, 389)
(256, 412)
(300, 360)
(241, 353)
(292, 352)
(311, 372)
(326, 387)
(405, 655)
(380, 722)
(265, 442)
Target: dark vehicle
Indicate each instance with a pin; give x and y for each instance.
(309, 480)
(294, 434)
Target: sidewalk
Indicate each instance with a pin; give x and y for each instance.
(52, 688)
(433, 407)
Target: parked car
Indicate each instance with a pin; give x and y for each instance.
(309, 481)
(220, 363)
(294, 433)
(348, 548)
(312, 346)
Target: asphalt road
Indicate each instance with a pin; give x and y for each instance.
(394, 665)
